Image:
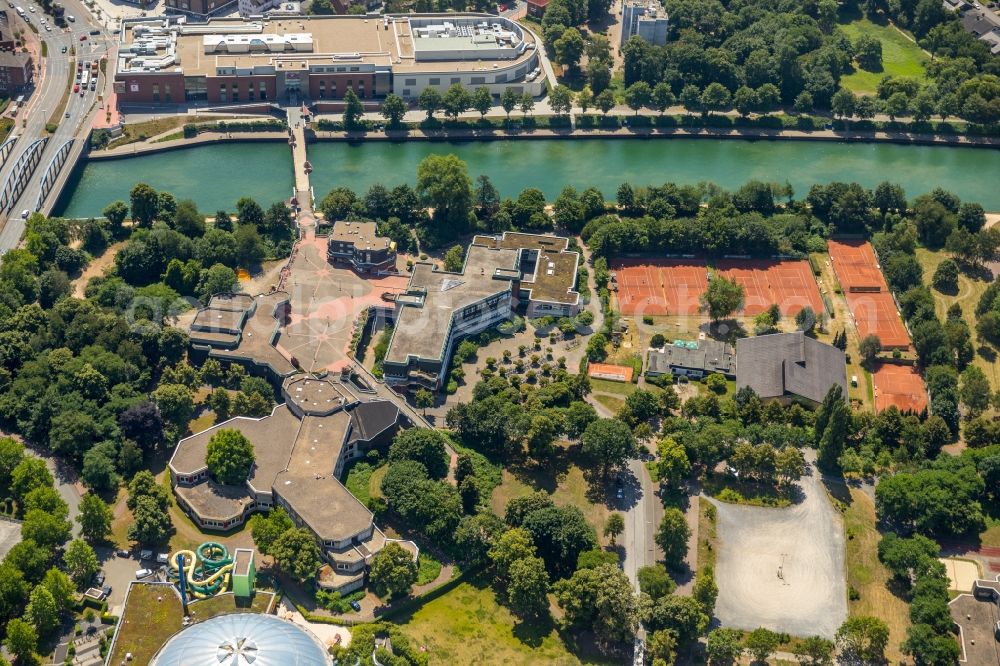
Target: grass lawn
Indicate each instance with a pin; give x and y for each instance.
(707, 538)
(150, 128)
(566, 487)
(428, 568)
(970, 290)
(468, 626)
(154, 614)
(991, 537)
(623, 389)
(867, 575)
(900, 56)
(613, 403)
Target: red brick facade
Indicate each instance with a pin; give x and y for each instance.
(168, 87)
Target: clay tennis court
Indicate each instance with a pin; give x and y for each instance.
(788, 283)
(868, 297)
(660, 286)
(673, 286)
(899, 385)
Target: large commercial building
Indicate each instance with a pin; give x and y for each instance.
(171, 61)
(500, 274)
(645, 18)
(300, 450)
(786, 366)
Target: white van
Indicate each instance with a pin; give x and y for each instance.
(70, 18)
(143, 573)
(20, 12)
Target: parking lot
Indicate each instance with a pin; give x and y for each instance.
(119, 572)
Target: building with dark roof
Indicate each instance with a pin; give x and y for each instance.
(500, 274)
(16, 72)
(358, 245)
(789, 365)
(300, 452)
(692, 359)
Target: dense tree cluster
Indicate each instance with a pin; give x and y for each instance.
(760, 55)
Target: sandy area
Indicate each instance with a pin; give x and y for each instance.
(992, 218)
(96, 268)
(782, 569)
(961, 573)
(327, 633)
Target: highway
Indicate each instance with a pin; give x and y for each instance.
(46, 99)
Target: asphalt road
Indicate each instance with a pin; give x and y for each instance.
(639, 504)
(46, 98)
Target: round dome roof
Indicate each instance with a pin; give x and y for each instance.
(243, 639)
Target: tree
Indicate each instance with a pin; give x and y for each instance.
(475, 536)
(528, 588)
(42, 610)
(176, 404)
(662, 97)
(715, 97)
(613, 526)
(60, 587)
(424, 445)
(722, 297)
(705, 590)
(393, 109)
(843, 103)
(265, 530)
(151, 524)
(869, 348)
(444, 184)
(22, 640)
(803, 102)
(526, 104)
(683, 616)
(605, 101)
(47, 530)
(454, 259)
(805, 320)
(145, 204)
(393, 571)
(296, 552)
(864, 637)
(430, 101)
(561, 99)
(723, 646)
(230, 456)
(672, 465)
(116, 212)
(46, 499)
(482, 101)
(456, 101)
(663, 647)
(513, 545)
(142, 424)
(600, 599)
(81, 562)
(898, 104)
(638, 95)
(655, 581)
(353, 110)
(761, 643)
(818, 651)
(672, 537)
(95, 518)
(974, 390)
(423, 399)
(509, 100)
(745, 100)
(29, 474)
(945, 277)
(929, 647)
(609, 443)
(585, 98)
(569, 49)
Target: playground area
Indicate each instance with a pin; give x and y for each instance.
(788, 283)
(673, 286)
(872, 306)
(899, 385)
(782, 569)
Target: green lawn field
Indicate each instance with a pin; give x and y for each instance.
(900, 56)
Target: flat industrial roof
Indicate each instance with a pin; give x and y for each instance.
(555, 271)
(317, 396)
(421, 331)
(362, 234)
(215, 501)
(258, 332)
(345, 35)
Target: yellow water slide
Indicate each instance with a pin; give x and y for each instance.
(200, 588)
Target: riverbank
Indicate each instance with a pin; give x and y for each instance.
(493, 134)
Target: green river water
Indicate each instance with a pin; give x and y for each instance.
(216, 176)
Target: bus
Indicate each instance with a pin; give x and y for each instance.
(84, 80)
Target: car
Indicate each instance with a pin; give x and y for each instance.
(620, 493)
(99, 578)
(95, 31)
(356, 606)
(25, 213)
(143, 573)
(76, 87)
(162, 558)
(83, 38)
(93, 84)
(70, 18)
(145, 554)
(121, 552)
(31, 9)
(106, 590)
(48, 28)
(67, 114)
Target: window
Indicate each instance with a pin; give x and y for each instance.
(478, 79)
(409, 82)
(322, 89)
(434, 81)
(263, 90)
(456, 79)
(166, 92)
(236, 93)
(355, 69)
(156, 92)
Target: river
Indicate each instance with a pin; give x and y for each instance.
(216, 176)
